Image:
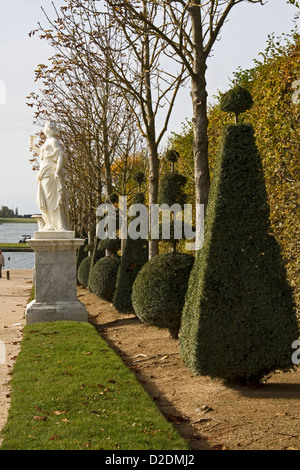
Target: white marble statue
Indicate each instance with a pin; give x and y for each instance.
(52, 196)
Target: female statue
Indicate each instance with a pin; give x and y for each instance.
(51, 197)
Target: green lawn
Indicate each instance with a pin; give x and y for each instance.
(13, 245)
(8, 220)
(70, 391)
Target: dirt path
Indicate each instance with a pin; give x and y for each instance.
(207, 413)
(14, 294)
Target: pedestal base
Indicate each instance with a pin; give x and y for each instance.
(39, 312)
(55, 279)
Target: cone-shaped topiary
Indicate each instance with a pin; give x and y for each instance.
(135, 255)
(103, 276)
(159, 290)
(171, 191)
(237, 100)
(97, 253)
(239, 318)
(83, 271)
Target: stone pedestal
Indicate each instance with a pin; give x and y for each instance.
(55, 278)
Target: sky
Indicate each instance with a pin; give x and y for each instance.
(242, 38)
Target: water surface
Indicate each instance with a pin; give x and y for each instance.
(11, 233)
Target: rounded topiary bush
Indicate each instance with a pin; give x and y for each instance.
(159, 290)
(103, 276)
(171, 189)
(83, 271)
(167, 231)
(237, 100)
(112, 198)
(139, 177)
(172, 156)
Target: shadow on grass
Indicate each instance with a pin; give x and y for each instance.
(119, 322)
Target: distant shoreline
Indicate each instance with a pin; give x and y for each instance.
(15, 247)
(9, 220)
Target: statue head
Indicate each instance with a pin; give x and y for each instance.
(50, 128)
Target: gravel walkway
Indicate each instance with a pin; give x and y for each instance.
(14, 294)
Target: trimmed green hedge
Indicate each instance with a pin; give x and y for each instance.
(159, 290)
(103, 276)
(239, 320)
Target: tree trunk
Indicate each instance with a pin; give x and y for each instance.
(105, 136)
(199, 100)
(153, 191)
(151, 136)
(107, 159)
(200, 143)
